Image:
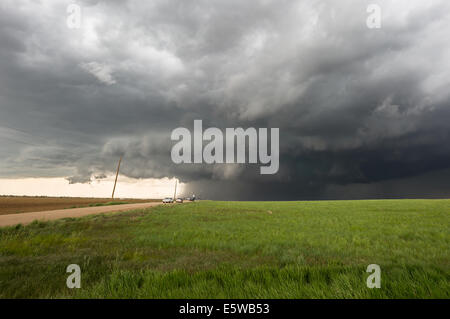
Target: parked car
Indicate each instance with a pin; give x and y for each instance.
(179, 200)
(167, 200)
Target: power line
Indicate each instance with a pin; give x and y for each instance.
(60, 148)
(38, 136)
(17, 141)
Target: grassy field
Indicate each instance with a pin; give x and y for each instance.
(236, 250)
(25, 204)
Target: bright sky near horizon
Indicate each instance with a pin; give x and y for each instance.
(126, 187)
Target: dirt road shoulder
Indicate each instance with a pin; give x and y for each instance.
(26, 218)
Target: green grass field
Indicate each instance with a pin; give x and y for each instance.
(236, 250)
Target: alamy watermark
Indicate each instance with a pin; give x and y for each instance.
(74, 16)
(73, 280)
(73, 20)
(374, 279)
(235, 139)
(374, 19)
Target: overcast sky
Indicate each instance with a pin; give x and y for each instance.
(362, 113)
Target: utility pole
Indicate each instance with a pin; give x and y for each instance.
(117, 175)
(175, 193)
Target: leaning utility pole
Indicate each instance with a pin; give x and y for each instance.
(117, 175)
(175, 193)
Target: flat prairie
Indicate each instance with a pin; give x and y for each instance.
(25, 204)
(223, 250)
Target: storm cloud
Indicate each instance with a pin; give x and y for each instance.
(362, 113)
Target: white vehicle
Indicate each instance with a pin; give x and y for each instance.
(179, 200)
(167, 200)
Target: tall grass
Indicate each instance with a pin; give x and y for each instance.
(236, 250)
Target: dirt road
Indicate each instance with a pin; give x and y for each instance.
(31, 204)
(26, 218)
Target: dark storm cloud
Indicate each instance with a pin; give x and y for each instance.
(355, 106)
